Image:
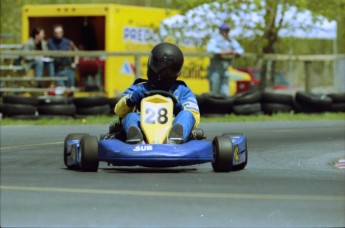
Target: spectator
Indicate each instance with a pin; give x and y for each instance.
(64, 66)
(224, 48)
(37, 42)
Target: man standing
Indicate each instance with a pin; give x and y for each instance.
(37, 43)
(224, 49)
(64, 66)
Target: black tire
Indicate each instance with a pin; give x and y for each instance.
(17, 109)
(73, 136)
(313, 102)
(247, 109)
(272, 108)
(96, 110)
(277, 98)
(89, 154)
(83, 102)
(249, 97)
(33, 101)
(216, 105)
(223, 154)
(337, 97)
(337, 107)
(54, 100)
(244, 164)
(57, 110)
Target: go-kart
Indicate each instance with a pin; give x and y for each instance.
(227, 152)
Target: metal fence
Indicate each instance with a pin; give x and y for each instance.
(333, 62)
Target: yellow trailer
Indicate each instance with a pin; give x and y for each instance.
(116, 28)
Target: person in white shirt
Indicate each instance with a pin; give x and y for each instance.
(224, 48)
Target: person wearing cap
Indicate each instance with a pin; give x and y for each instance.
(224, 48)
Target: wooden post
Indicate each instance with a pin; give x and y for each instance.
(137, 66)
(269, 76)
(307, 70)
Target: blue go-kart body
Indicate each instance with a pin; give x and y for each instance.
(155, 155)
(119, 153)
(227, 152)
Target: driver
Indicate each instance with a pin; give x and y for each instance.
(164, 66)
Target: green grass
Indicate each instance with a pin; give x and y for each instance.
(227, 118)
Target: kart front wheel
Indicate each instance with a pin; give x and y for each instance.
(223, 154)
(89, 154)
(73, 136)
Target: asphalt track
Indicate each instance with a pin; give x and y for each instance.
(289, 181)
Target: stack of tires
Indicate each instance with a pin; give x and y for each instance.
(312, 103)
(247, 103)
(272, 103)
(56, 106)
(98, 105)
(211, 105)
(338, 102)
(19, 107)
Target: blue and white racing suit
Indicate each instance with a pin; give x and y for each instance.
(189, 117)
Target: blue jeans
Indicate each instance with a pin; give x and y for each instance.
(185, 118)
(39, 66)
(66, 72)
(218, 77)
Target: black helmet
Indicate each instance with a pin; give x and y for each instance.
(164, 65)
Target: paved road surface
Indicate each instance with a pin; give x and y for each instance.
(290, 181)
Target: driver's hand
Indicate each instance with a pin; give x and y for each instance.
(178, 108)
(135, 98)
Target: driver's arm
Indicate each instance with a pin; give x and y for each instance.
(121, 108)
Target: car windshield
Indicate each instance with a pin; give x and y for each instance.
(279, 78)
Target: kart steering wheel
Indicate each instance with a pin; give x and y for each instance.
(161, 92)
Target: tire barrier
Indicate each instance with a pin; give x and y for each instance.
(95, 110)
(273, 108)
(338, 102)
(18, 110)
(54, 100)
(98, 105)
(83, 102)
(248, 103)
(249, 97)
(313, 103)
(247, 109)
(215, 104)
(57, 110)
(19, 107)
(33, 101)
(276, 98)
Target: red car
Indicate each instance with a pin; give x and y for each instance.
(280, 83)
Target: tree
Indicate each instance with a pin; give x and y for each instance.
(265, 32)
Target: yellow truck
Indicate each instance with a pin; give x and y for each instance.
(111, 28)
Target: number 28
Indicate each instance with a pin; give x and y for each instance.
(156, 115)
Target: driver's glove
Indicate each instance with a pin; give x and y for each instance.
(135, 98)
(178, 108)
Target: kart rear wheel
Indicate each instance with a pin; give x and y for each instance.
(223, 152)
(89, 154)
(73, 136)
